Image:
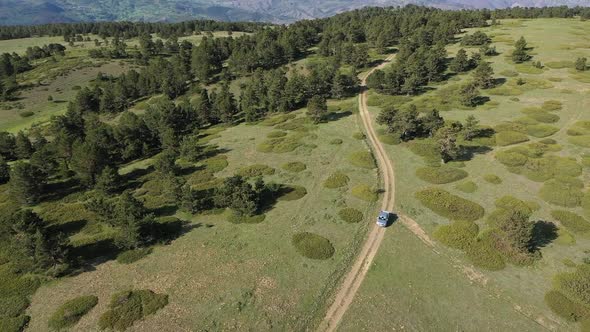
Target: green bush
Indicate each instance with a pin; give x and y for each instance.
(512, 203)
(132, 256)
(336, 180)
(362, 159)
(583, 141)
(541, 130)
(552, 105)
(359, 136)
(511, 159)
(313, 246)
(280, 144)
(492, 178)
(510, 126)
(255, 170)
(543, 169)
(336, 141)
(294, 167)
(505, 138)
(575, 285)
(468, 187)
(560, 64)
(216, 164)
(441, 175)
(428, 149)
(14, 324)
(450, 206)
(571, 221)
(390, 139)
(564, 307)
(26, 114)
(564, 191)
(351, 215)
(130, 306)
(292, 193)
(544, 117)
(69, 313)
(365, 193)
(276, 134)
(484, 254)
(458, 235)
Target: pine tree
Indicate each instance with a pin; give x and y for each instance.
(446, 138)
(471, 128)
(431, 121)
(520, 53)
(225, 104)
(23, 146)
(204, 109)
(469, 95)
(483, 75)
(581, 64)
(317, 109)
(108, 181)
(26, 183)
(460, 62)
(517, 230)
(4, 171)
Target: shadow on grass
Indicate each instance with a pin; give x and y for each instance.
(544, 233)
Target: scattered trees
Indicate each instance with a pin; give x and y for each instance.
(483, 75)
(520, 53)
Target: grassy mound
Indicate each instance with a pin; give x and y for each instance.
(505, 138)
(512, 203)
(511, 159)
(539, 169)
(441, 175)
(427, 149)
(552, 105)
(564, 307)
(571, 221)
(132, 256)
(492, 178)
(276, 134)
(292, 193)
(336, 141)
(560, 64)
(390, 139)
(365, 193)
(294, 167)
(459, 235)
(468, 187)
(563, 191)
(350, 215)
(450, 206)
(68, 314)
(483, 254)
(575, 297)
(359, 136)
(336, 180)
(541, 130)
(216, 164)
(130, 306)
(313, 246)
(542, 116)
(255, 170)
(362, 159)
(583, 141)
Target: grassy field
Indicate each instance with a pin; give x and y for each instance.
(413, 288)
(223, 276)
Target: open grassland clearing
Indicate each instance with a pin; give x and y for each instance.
(221, 275)
(535, 156)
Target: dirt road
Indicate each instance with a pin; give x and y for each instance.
(355, 276)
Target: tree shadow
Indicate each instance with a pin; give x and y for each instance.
(133, 179)
(165, 210)
(55, 191)
(335, 116)
(68, 228)
(544, 233)
(469, 152)
(499, 81)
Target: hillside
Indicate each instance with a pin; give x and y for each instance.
(16, 12)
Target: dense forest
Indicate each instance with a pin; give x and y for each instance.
(79, 150)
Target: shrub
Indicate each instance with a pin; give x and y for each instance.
(509, 73)
(576, 285)
(359, 136)
(458, 235)
(564, 307)
(541, 130)
(69, 313)
(255, 170)
(132, 256)
(351, 215)
(336, 180)
(14, 324)
(313, 246)
(336, 141)
(362, 159)
(441, 175)
(583, 141)
(512, 203)
(450, 206)
(544, 117)
(552, 105)
(127, 307)
(280, 144)
(511, 159)
(467, 187)
(292, 193)
(365, 193)
(276, 134)
(560, 64)
(564, 191)
(493, 179)
(216, 164)
(390, 139)
(26, 114)
(294, 167)
(484, 254)
(571, 221)
(548, 141)
(428, 149)
(505, 138)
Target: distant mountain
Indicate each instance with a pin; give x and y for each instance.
(51, 11)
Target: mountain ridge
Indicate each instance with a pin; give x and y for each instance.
(25, 12)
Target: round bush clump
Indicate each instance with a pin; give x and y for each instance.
(450, 206)
(365, 193)
(362, 159)
(511, 159)
(68, 314)
(216, 164)
(468, 187)
(583, 140)
(564, 191)
(130, 306)
(484, 254)
(132, 256)
(505, 138)
(541, 130)
(350, 215)
(313, 246)
(458, 235)
(441, 175)
(493, 179)
(564, 307)
(359, 136)
(552, 105)
(336, 141)
(544, 117)
(571, 221)
(336, 180)
(294, 167)
(255, 170)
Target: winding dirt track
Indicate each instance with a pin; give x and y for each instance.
(355, 276)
